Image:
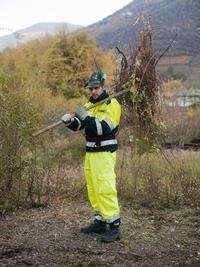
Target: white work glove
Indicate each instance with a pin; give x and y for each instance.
(67, 118)
(81, 113)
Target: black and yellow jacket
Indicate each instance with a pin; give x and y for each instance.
(100, 125)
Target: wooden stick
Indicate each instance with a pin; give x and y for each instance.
(46, 128)
(43, 130)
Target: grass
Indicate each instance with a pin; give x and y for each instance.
(160, 180)
(163, 180)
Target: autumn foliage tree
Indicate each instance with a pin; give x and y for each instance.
(38, 82)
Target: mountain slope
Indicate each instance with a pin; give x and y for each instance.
(36, 31)
(168, 17)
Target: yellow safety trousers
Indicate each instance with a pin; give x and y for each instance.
(101, 184)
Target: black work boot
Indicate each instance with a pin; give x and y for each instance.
(97, 227)
(113, 233)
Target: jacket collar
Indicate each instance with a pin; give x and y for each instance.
(101, 97)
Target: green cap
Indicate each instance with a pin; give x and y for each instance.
(96, 80)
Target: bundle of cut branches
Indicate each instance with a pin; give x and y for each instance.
(137, 71)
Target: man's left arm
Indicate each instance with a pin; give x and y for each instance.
(96, 126)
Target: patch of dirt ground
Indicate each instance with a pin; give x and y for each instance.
(51, 237)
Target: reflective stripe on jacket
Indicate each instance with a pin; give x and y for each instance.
(101, 125)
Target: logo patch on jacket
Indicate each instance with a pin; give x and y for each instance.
(102, 110)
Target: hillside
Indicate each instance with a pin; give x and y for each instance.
(33, 32)
(168, 17)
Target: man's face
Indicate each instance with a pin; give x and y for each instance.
(96, 91)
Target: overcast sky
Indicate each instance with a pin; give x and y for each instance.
(19, 14)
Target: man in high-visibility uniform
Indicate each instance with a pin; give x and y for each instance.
(100, 124)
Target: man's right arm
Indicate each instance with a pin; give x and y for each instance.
(73, 123)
